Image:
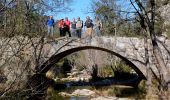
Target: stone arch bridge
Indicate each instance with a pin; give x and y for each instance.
(131, 50)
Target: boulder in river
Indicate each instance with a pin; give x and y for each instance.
(79, 92)
(83, 92)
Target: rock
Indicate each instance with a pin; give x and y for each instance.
(82, 79)
(165, 13)
(79, 92)
(104, 98)
(70, 79)
(75, 73)
(109, 98)
(56, 79)
(83, 92)
(69, 74)
(77, 79)
(50, 74)
(64, 94)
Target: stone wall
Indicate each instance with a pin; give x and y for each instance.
(18, 58)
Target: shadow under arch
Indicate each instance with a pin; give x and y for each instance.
(56, 58)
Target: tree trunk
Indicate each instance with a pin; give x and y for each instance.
(156, 51)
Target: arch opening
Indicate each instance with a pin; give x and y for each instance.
(56, 58)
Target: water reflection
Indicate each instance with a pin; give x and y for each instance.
(80, 98)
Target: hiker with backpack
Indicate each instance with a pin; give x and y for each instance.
(79, 26)
(73, 27)
(97, 26)
(89, 27)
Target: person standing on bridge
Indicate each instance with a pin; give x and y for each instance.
(73, 27)
(50, 25)
(61, 27)
(97, 26)
(67, 24)
(89, 27)
(79, 26)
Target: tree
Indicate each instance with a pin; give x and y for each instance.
(148, 23)
(116, 20)
(144, 16)
(102, 9)
(27, 16)
(22, 30)
(147, 12)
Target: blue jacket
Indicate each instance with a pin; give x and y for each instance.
(50, 22)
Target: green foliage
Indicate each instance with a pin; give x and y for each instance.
(168, 30)
(125, 23)
(27, 17)
(61, 68)
(113, 22)
(122, 67)
(130, 29)
(102, 9)
(78, 59)
(20, 21)
(106, 71)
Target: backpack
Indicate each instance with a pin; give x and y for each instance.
(73, 25)
(88, 23)
(79, 24)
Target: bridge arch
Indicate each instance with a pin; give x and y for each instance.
(56, 58)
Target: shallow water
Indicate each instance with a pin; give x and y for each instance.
(115, 91)
(122, 92)
(79, 98)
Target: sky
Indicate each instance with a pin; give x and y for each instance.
(79, 8)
